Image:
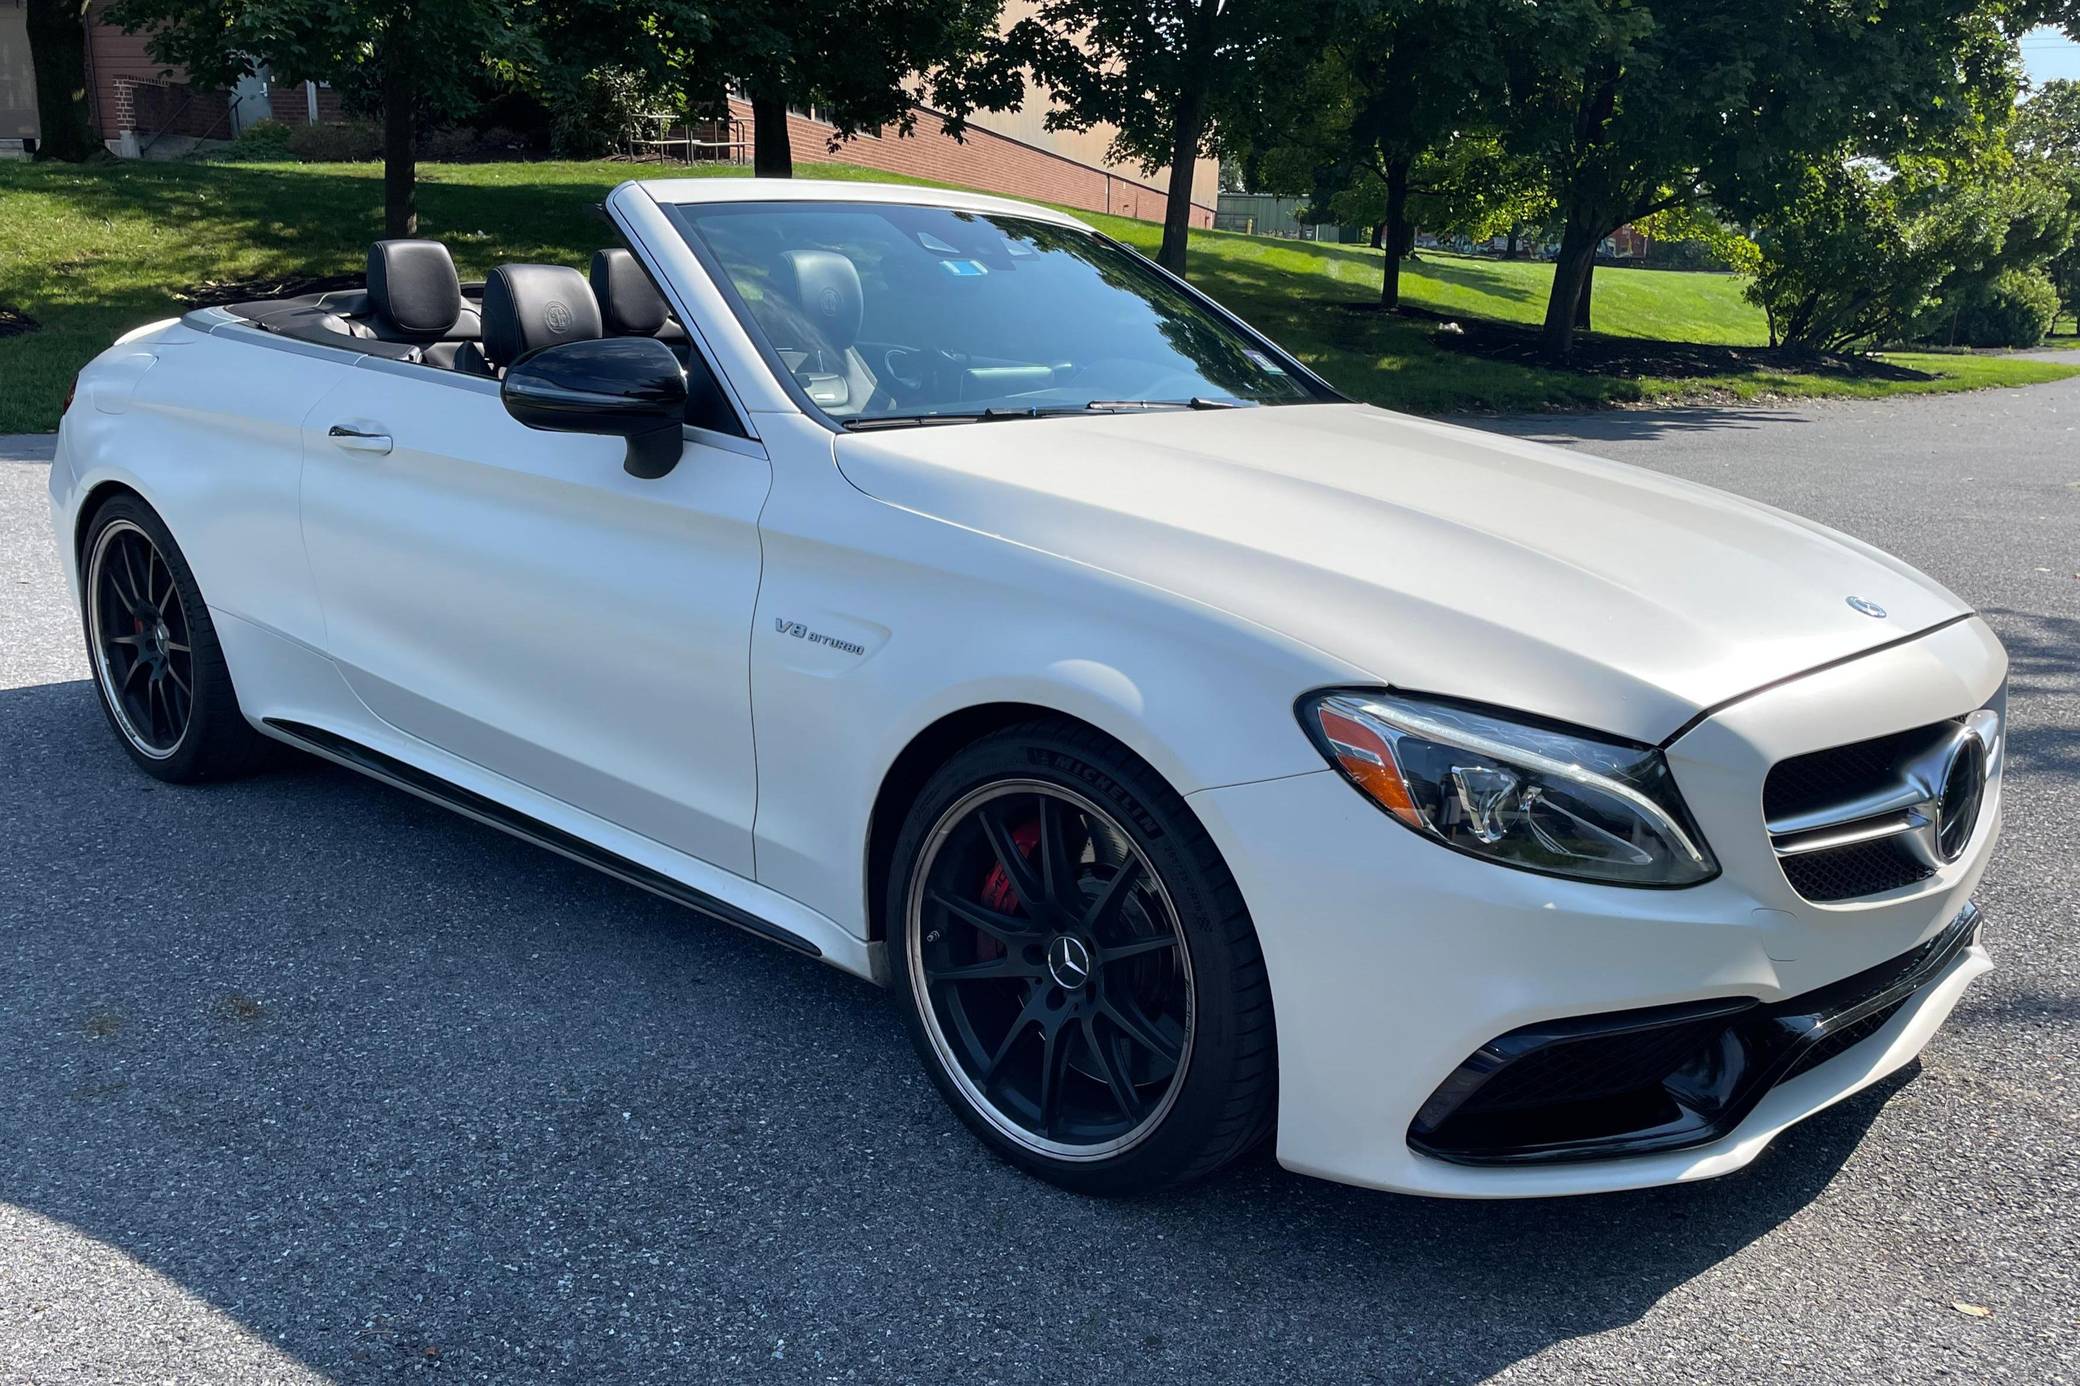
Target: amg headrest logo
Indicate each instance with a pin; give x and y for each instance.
(558, 316)
(830, 303)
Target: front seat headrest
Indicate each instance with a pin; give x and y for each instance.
(629, 304)
(412, 286)
(527, 307)
(826, 286)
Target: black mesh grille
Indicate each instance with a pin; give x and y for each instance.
(1840, 773)
(1847, 872)
(1597, 1066)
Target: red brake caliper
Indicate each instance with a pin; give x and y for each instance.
(996, 887)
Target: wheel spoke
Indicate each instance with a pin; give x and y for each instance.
(175, 675)
(1115, 1076)
(1004, 928)
(133, 641)
(116, 585)
(1056, 853)
(1139, 1031)
(1034, 1008)
(1106, 906)
(152, 563)
(1054, 1074)
(1016, 868)
(129, 674)
(1012, 964)
(176, 647)
(1140, 947)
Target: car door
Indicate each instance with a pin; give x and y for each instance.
(518, 599)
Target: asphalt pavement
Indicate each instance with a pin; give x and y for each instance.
(302, 1079)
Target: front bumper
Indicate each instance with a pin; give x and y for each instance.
(1392, 959)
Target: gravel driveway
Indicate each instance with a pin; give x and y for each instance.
(307, 1080)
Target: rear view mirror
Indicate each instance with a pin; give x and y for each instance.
(626, 387)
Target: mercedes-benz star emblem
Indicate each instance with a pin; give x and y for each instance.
(1068, 962)
(1868, 608)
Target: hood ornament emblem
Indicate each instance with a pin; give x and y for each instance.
(1868, 608)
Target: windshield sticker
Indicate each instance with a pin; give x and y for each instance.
(1263, 362)
(1019, 248)
(965, 269)
(931, 242)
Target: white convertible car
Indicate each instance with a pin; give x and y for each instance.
(929, 584)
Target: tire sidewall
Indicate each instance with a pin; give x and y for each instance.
(1158, 821)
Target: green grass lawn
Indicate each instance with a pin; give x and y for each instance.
(89, 252)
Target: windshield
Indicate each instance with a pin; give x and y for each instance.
(888, 314)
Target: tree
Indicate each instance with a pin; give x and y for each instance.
(1853, 256)
(1158, 72)
(1386, 120)
(2047, 135)
(410, 59)
(1635, 107)
(58, 52)
(863, 66)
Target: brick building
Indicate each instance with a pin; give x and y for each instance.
(143, 111)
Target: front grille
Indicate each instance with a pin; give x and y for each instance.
(1840, 773)
(1857, 820)
(1667, 1078)
(1845, 873)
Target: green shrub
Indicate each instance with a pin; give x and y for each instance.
(2016, 311)
(351, 142)
(264, 141)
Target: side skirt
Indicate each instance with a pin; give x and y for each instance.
(470, 804)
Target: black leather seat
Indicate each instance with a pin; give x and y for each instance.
(629, 304)
(526, 308)
(414, 294)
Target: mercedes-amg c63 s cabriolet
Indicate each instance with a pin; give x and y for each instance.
(927, 583)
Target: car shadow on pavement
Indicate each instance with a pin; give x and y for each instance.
(388, 1088)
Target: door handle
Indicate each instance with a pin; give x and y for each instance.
(356, 440)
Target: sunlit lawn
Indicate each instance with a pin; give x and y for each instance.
(89, 252)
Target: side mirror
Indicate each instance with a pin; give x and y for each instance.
(625, 387)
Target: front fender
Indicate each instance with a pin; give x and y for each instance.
(875, 622)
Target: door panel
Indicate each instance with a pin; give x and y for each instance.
(519, 600)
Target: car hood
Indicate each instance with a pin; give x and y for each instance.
(1431, 557)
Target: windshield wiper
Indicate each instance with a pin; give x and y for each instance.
(1195, 402)
(1030, 411)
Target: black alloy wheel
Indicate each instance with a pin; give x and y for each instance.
(157, 664)
(1078, 970)
(144, 652)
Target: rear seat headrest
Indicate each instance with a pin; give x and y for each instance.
(531, 306)
(629, 304)
(412, 285)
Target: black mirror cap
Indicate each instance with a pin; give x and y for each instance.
(625, 387)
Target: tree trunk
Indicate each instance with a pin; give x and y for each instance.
(1581, 305)
(1399, 239)
(1184, 161)
(58, 53)
(1570, 275)
(1184, 137)
(772, 155)
(1509, 251)
(1379, 235)
(400, 145)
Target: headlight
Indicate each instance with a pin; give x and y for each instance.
(1515, 792)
